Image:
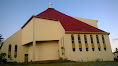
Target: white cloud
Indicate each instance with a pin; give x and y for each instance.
(115, 39)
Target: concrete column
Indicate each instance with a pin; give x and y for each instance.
(34, 42)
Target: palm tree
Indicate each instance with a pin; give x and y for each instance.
(1, 39)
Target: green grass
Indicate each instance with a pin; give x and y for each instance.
(107, 63)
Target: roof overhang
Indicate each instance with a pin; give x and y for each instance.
(78, 32)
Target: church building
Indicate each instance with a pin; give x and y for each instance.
(52, 35)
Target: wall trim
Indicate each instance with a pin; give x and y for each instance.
(78, 32)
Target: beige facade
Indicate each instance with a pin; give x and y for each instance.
(88, 21)
(15, 39)
(44, 39)
(89, 55)
(47, 50)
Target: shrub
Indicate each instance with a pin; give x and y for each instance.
(97, 60)
(2, 58)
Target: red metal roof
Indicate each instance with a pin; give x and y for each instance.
(69, 23)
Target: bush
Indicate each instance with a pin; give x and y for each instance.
(98, 60)
(2, 58)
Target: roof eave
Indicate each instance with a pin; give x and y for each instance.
(80, 32)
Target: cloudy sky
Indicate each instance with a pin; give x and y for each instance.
(14, 13)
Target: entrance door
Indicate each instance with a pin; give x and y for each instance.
(26, 58)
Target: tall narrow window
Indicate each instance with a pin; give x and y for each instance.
(103, 42)
(85, 38)
(86, 44)
(98, 42)
(73, 44)
(15, 53)
(79, 39)
(91, 38)
(72, 38)
(97, 38)
(103, 39)
(9, 51)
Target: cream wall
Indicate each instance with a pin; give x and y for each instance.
(47, 51)
(87, 55)
(30, 52)
(27, 33)
(15, 39)
(48, 30)
(43, 30)
(88, 21)
(44, 50)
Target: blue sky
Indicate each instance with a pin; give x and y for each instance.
(14, 13)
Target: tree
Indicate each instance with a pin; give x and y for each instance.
(1, 39)
(116, 49)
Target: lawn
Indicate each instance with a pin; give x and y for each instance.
(107, 63)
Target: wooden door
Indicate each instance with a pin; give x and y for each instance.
(26, 58)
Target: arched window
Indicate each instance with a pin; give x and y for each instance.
(15, 52)
(9, 51)
(79, 39)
